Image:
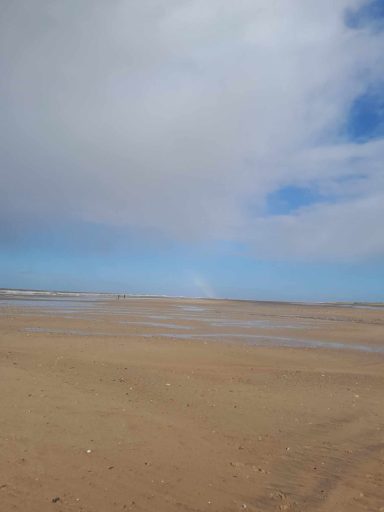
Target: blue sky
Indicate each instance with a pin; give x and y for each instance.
(202, 149)
(208, 272)
(96, 259)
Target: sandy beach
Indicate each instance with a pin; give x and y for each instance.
(169, 405)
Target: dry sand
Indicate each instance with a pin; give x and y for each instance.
(101, 412)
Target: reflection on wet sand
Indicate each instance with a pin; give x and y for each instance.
(263, 340)
(215, 321)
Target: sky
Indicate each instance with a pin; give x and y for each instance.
(193, 147)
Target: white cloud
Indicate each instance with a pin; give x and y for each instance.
(175, 116)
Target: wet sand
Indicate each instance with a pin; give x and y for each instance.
(190, 405)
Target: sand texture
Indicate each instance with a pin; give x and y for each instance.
(180, 405)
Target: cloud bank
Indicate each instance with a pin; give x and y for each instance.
(181, 117)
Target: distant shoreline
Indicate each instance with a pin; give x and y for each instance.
(21, 292)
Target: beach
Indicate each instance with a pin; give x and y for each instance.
(159, 404)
